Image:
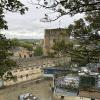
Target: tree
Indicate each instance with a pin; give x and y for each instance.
(6, 63)
(88, 41)
(93, 19)
(65, 7)
(83, 55)
(38, 51)
(86, 35)
(61, 47)
(15, 43)
(91, 8)
(28, 46)
(12, 6)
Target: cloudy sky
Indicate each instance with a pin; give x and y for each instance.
(28, 26)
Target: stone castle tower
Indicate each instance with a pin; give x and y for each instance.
(52, 35)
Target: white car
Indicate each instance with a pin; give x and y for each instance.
(27, 96)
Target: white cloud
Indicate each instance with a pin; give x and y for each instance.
(27, 35)
(29, 25)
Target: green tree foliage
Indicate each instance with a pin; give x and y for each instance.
(5, 63)
(89, 50)
(83, 55)
(17, 43)
(93, 19)
(5, 45)
(38, 51)
(27, 45)
(88, 41)
(12, 6)
(61, 47)
(86, 35)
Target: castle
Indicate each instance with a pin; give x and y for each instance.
(53, 35)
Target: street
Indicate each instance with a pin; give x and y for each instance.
(39, 88)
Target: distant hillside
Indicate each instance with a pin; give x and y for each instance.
(27, 43)
(30, 40)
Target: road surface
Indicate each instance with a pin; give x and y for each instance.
(40, 89)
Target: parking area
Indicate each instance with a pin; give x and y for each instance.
(40, 89)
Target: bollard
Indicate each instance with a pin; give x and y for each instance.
(62, 97)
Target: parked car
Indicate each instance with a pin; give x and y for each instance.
(27, 96)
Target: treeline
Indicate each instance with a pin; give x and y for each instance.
(17, 43)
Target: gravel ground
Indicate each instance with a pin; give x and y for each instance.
(40, 90)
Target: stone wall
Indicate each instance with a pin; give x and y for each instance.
(24, 74)
(31, 68)
(52, 35)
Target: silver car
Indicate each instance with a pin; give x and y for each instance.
(27, 96)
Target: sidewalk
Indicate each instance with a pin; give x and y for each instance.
(57, 97)
(70, 98)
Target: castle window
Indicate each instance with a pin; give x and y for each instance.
(54, 40)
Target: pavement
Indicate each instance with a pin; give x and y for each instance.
(39, 88)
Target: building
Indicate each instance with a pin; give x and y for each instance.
(87, 86)
(21, 74)
(90, 87)
(51, 71)
(25, 53)
(94, 67)
(66, 85)
(22, 52)
(53, 35)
